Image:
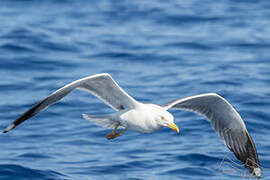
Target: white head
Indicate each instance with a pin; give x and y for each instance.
(164, 118)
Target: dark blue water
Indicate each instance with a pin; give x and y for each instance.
(157, 51)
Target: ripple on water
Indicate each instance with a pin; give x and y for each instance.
(12, 171)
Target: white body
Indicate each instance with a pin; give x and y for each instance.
(141, 119)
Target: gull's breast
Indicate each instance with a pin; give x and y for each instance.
(139, 121)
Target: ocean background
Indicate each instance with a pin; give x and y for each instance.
(157, 51)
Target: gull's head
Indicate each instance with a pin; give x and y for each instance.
(164, 118)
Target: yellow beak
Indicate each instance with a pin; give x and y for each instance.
(174, 127)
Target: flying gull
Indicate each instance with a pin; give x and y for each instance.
(148, 118)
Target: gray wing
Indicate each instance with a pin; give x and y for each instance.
(227, 123)
(100, 85)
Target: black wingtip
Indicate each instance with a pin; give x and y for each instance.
(11, 126)
(249, 157)
(5, 131)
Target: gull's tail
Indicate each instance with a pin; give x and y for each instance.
(105, 121)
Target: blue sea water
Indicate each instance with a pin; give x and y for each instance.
(157, 51)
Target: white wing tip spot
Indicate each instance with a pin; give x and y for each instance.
(257, 172)
(11, 126)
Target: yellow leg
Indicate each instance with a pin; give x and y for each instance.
(115, 134)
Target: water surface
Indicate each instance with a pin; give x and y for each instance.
(156, 51)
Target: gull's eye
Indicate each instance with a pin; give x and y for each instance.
(162, 118)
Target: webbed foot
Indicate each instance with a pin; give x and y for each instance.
(114, 134)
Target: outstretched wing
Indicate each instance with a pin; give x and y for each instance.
(100, 85)
(227, 123)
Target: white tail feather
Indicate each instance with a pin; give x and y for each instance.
(103, 121)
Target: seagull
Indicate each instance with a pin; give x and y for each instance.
(148, 118)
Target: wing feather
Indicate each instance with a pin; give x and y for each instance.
(226, 122)
(100, 85)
